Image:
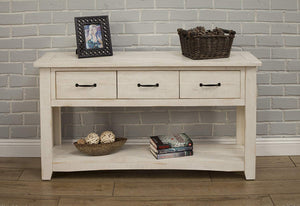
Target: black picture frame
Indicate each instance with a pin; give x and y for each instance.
(93, 36)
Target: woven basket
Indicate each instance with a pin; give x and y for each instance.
(206, 46)
(101, 149)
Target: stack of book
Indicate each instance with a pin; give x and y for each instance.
(178, 145)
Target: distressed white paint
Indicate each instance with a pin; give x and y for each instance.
(237, 72)
(230, 84)
(105, 85)
(168, 84)
(206, 157)
(144, 59)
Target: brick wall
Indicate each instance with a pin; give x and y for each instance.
(267, 28)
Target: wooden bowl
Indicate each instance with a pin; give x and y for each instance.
(101, 149)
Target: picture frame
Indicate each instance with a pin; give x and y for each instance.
(93, 36)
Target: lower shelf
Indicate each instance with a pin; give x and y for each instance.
(218, 157)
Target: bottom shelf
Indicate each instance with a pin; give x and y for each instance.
(218, 157)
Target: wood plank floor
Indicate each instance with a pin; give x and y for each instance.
(277, 184)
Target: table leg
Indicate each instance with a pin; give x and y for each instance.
(240, 125)
(57, 125)
(250, 124)
(46, 124)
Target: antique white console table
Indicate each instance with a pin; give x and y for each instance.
(134, 79)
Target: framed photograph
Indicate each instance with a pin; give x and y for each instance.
(93, 36)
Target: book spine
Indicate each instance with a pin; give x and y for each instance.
(153, 148)
(169, 150)
(154, 145)
(158, 143)
(153, 153)
(173, 155)
(174, 149)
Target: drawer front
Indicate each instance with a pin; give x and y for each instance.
(210, 84)
(148, 84)
(85, 85)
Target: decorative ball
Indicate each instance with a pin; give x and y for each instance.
(92, 138)
(81, 141)
(107, 137)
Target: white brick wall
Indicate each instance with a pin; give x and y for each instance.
(267, 28)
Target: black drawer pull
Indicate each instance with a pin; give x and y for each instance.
(148, 85)
(210, 85)
(85, 85)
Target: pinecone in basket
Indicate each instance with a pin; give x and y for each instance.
(200, 31)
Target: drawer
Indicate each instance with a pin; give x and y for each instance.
(210, 84)
(148, 84)
(85, 85)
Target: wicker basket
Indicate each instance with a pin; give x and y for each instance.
(101, 149)
(206, 46)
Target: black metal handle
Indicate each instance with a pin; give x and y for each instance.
(148, 85)
(210, 85)
(85, 85)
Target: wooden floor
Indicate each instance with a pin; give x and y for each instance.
(277, 183)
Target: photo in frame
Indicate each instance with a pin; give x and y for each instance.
(93, 36)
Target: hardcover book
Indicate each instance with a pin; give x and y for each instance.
(169, 150)
(177, 140)
(172, 155)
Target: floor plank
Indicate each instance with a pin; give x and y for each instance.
(286, 199)
(87, 176)
(296, 160)
(31, 175)
(162, 176)
(10, 174)
(20, 162)
(210, 201)
(18, 201)
(51, 188)
(277, 178)
(290, 173)
(206, 188)
(274, 161)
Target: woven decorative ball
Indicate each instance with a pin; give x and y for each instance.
(81, 141)
(107, 137)
(92, 138)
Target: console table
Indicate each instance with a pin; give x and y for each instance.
(134, 79)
